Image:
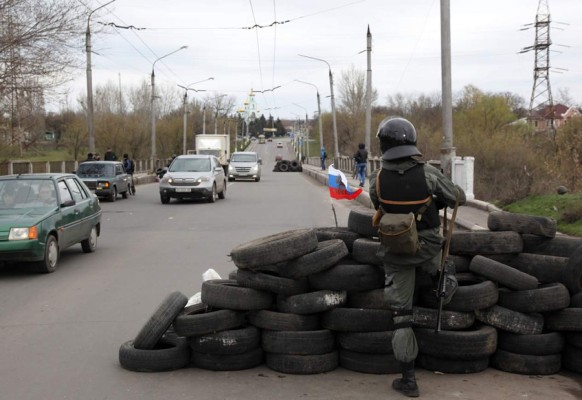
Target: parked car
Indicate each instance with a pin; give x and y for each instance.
(280, 145)
(198, 176)
(245, 165)
(106, 179)
(42, 214)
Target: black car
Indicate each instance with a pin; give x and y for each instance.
(105, 178)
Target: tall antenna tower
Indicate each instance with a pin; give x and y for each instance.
(541, 94)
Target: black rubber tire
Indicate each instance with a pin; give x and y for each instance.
(547, 269)
(52, 255)
(485, 242)
(450, 320)
(232, 341)
(273, 249)
(521, 223)
(365, 250)
(222, 194)
(534, 345)
(568, 319)
(474, 344)
(228, 362)
(572, 274)
(560, 246)
(327, 254)
(225, 293)
(447, 366)
(165, 199)
(198, 323)
(332, 232)
(294, 166)
(576, 300)
(89, 245)
(166, 355)
(276, 321)
(574, 339)
(360, 221)
(548, 297)
(526, 364)
(357, 320)
(350, 277)
(271, 283)
(366, 342)
(461, 262)
(369, 363)
(298, 342)
(302, 365)
(502, 274)
(572, 359)
(369, 299)
(511, 321)
(283, 166)
(232, 274)
(160, 321)
(113, 194)
(312, 302)
(470, 296)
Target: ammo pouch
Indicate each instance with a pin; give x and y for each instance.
(397, 232)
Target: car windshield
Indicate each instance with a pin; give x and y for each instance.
(95, 170)
(29, 193)
(190, 165)
(243, 158)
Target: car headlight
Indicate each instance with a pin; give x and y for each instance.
(203, 179)
(231, 168)
(255, 168)
(23, 233)
(167, 179)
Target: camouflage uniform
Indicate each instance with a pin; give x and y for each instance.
(400, 270)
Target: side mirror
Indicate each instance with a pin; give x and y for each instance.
(68, 203)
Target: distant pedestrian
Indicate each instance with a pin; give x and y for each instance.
(361, 158)
(128, 164)
(96, 157)
(323, 157)
(109, 155)
(89, 157)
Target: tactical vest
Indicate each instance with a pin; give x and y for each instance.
(401, 192)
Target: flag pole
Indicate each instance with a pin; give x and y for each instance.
(334, 215)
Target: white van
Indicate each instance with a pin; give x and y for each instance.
(244, 165)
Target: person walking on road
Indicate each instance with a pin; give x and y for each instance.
(323, 157)
(406, 184)
(129, 167)
(361, 158)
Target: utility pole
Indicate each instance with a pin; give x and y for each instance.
(541, 94)
(448, 152)
(369, 91)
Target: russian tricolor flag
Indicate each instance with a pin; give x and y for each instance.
(339, 187)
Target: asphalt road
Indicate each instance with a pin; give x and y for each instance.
(60, 333)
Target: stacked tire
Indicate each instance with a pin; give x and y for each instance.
(287, 166)
(306, 301)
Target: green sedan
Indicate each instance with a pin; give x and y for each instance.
(42, 214)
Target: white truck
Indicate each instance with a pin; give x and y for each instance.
(217, 145)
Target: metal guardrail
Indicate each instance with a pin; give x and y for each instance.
(15, 167)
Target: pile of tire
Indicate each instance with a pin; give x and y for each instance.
(288, 166)
(309, 300)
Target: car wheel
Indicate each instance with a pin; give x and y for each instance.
(231, 179)
(212, 197)
(164, 199)
(257, 179)
(113, 195)
(51, 256)
(90, 244)
(222, 195)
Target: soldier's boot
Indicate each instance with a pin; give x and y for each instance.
(407, 384)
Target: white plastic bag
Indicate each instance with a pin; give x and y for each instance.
(210, 274)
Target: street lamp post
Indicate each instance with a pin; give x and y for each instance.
(336, 149)
(153, 138)
(318, 111)
(306, 129)
(186, 88)
(90, 126)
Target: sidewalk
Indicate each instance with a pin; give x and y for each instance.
(472, 216)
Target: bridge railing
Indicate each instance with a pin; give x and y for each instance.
(10, 167)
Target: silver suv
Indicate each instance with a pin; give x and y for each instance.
(244, 165)
(193, 177)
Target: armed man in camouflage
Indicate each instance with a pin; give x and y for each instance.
(405, 180)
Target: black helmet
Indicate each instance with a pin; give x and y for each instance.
(397, 138)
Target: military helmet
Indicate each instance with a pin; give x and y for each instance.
(397, 138)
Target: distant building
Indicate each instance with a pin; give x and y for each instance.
(542, 118)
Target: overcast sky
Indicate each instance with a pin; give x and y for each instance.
(486, 40)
